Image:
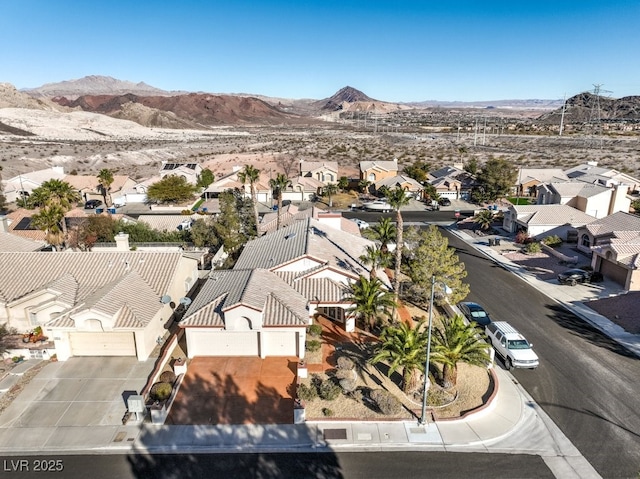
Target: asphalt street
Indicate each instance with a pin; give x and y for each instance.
(586, 382)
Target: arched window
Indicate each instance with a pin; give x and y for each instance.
(608, 255)
(371, 177)
(585, 241)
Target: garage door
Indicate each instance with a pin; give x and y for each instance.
(222, 343)
(614, 272)
(281, 343)
(102, 344)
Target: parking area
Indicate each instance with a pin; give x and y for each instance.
(82, 391)
(236, 390)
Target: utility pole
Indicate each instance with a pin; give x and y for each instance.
(564, 106)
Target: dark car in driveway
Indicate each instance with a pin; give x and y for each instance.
(92, 204)
(574, 276)
(444, 202)
(474, 312)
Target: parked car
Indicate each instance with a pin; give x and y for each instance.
(512, 346)
(474, 312)
(361, 223)
(92, 204)
(574, 276)
(444, 202)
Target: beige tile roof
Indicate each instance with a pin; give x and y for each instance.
(12, 242)
(15, 217)
(306, 166)
(399, 180)
(90, 183)
(382, 165)
(619, 221)
(551, 215)
(543, 175)
(165, 222)
(577, 188)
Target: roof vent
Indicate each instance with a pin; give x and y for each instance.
(290, 235)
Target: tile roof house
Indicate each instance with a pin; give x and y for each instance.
(302, 188)
(89, 186)
(230, 181)
(279, 282)
(593, 199)
(25, 183)
(246, 312)
(189, 171)
(590, 172)
(291, 213)
(374, 171)
(10, 242)
(529, 179)
(452, 182)
(95, 304)
(405, 182)
(544, 220)
(614, 242)
(323, 171)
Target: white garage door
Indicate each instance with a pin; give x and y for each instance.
(280, 343)
(102, 344)
(222, 343)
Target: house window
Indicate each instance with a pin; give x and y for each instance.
(371, 177)
(585, 241)
(33, 318)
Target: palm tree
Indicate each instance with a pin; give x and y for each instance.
(343, 183)
(364, 185)
(456, 342)
(384, 232)
(484, 219)
(251, 175)
(49, 219)
(278, 185)
(397, 198)
(330, 189)
(403, 347)
(105, 180)
(55, 193)
(371, 301)
(375, 258)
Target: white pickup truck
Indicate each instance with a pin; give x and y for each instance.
(516, 351)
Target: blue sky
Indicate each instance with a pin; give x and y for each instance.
(461, 50)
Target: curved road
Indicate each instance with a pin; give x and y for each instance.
(587, 383)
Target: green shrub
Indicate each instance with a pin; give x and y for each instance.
(160, 391)
(315, 330)
(329, 390)
(533, 248)
(327, 412)
(313, 345)
(307, 392)
(553, 240)
(167, 377)
(386, 402)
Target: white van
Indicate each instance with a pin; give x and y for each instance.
(511, 345)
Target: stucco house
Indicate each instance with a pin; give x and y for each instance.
(291, 213)
(545, 220)
(614, 242)
(529, 179)
(375, 171)
(596, 200)
(303, 188)
(590, 172)
(323, 171)
(452, 182)
(407, 183)
(230, 181)
(89, 186)
(189, 171)
(95, 304)
(23, 185)
(246, 312)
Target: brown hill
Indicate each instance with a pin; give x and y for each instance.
(585, 107)
(194, 108)
(94, 85)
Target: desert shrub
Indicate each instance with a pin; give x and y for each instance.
(532, 248)
(167, 377)
(345, 362)
(327, 412)
(315, 330)
(313, 345)
(307, 392)
(386, 402)
(348, 384)
(160, 391)
(522, 237)
(329, 390)
(553, 240)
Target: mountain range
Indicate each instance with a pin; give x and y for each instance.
(154, 107)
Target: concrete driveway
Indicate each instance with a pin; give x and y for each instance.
(82, 391)
(236, 390)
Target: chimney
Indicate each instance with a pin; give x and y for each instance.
(58, 169)
(5, 224)
(122, 242)
(619, 200)
(236, 168)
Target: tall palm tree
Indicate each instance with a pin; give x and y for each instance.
(49, 219)
(397, 198)
(376, 258)
(384, 232)
(105, 180)
(457, 342)
(251, 175)
(55, 193)
(371, 301)
(278, 185)
(403, 347)
(329, 190)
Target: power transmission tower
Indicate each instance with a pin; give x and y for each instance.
(595, 138)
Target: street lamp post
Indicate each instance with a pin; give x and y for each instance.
(425, 389)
